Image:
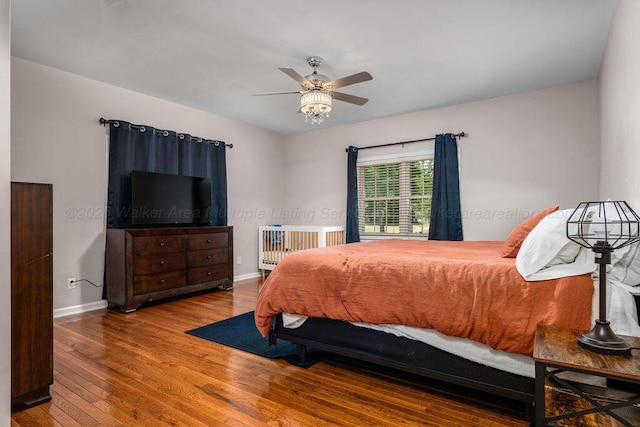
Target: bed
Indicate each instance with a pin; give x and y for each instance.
(454, 311)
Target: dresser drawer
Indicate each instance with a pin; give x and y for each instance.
(148, 245)
(159, 263)
(207, 274)
(158, 282)
(206, 241)
(207, 257)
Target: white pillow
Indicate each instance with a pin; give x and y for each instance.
(566, 255)
(547, 253)
(626, 268)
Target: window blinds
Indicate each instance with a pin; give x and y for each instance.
(395, 198)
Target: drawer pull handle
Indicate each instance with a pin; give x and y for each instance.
(162, 282)
(161, 262)
(209, 273)
(208, 240)
(208, 256)
(161, 244)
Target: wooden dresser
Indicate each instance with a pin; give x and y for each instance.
(31, 293)
(145, 264)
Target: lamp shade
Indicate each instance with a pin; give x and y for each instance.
(596, 224)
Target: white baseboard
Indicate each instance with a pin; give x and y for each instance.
(247, 276)
(98, 305)
(76, 309)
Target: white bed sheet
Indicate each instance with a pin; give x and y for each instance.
(621, 313)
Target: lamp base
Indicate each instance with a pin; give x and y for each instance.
(601, 339)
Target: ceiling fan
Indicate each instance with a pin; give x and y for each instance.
(317, 91)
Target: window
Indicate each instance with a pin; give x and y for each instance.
(395, 198)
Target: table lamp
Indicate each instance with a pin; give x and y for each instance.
(603, 227)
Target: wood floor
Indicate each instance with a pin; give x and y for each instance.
(141, 369)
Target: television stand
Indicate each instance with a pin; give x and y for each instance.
(148, 264)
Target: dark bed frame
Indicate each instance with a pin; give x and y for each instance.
(403, 354)
(406, 355)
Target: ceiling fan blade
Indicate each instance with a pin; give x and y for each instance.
(297, 77)
(349, 98)
(277, 93)
(349, 80)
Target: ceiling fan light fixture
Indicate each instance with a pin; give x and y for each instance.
(315, 105)
(317, 92)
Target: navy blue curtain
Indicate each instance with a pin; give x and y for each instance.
(446, 217)
(353, 227)
(144, 148)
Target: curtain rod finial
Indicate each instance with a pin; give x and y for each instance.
(103, 121)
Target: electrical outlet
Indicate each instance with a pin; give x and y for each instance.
(71, 283)
(239, 260)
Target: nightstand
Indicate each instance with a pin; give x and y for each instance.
(560, 399)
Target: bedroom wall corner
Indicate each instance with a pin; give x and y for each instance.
(620, 107)
(5, 213)
(57, 139)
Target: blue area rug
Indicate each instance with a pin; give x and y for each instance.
(240, 332)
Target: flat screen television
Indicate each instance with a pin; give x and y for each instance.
(158, 198)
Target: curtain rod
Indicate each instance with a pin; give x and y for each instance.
(104, 122)
(457, 135)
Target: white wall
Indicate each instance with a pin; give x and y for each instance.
(524, 153)
(5, 213)
(56, 139)
(620, 108)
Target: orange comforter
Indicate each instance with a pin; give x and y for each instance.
(462, 289)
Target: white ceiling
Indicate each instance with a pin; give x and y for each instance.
(213, 55)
